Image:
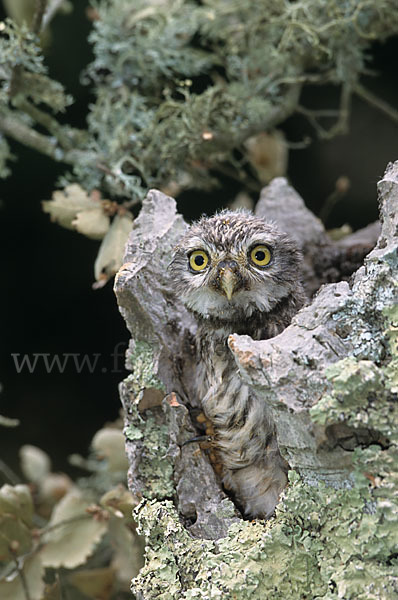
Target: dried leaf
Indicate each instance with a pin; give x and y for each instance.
(267, 152)
(17, 500)
(109, 443)
(111, 252)
(67, 203)
(35, 463)
(70, 544)
(33, 574)
(93, 223)
(94, 583)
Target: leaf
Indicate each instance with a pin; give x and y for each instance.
(111, 252)
(35, 463)
(15, 537)
(93, 223)
(17, 500)
(33, 573)
(54, 487)
(94, 583)
(129, 551)
(7, 422)
(67, 203)
(109, 443)
(70, 544)
(119, 501)
(267, 152)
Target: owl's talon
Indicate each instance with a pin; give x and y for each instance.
(198, 438)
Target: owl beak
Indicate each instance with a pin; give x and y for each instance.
(228, 282)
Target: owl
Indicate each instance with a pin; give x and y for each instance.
(238, 274)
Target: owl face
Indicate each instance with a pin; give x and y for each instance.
(234, 264)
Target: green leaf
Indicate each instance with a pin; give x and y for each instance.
(68, 545)
(17, 500)
(15, 537)
(33, 572)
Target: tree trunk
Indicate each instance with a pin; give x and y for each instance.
(330, 380)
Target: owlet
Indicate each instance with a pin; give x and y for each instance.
(238, 274)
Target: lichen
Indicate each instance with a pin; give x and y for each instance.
(359, 398)
(322, 543)
(145, 428)
(140, 361)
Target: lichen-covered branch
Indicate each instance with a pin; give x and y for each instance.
(330, 381)
(180, 86)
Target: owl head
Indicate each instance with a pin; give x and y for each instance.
(234, 264)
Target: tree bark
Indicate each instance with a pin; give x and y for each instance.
(330, 380)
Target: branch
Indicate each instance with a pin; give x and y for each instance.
(22, 133)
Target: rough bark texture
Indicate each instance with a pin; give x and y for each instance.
(330, 379)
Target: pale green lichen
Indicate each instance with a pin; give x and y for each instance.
(391, 333)
(155, 466)
(140, 361)
(322, 543)
(359, 398)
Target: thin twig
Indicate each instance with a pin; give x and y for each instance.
(65, 522)
(340, 126)
(9, 473)
(377, 102)
(23, 580)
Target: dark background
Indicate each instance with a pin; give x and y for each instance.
(47, 303)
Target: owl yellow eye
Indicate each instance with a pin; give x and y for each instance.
(260, 255)
(198, 260)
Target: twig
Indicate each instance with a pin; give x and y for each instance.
(9, 473)
(47, 121)
(377, 102)
(22, 133)
(23, 580)
(65, 522)
(343, 113)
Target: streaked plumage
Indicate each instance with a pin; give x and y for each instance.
(238, 274)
